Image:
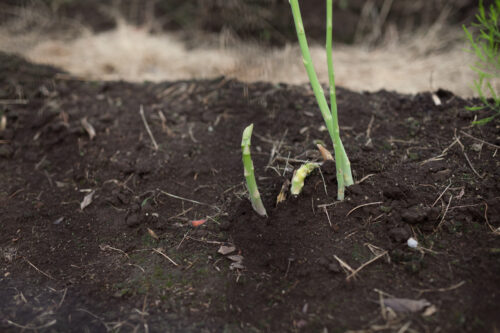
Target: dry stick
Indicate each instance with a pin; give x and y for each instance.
(328, 205)
(275, 150)
(470, 164)
(446, 210)
(62, 299)
(180, 214)
(39, 270)
(285, 159)
(135, 265)
(365, 178)
(467, 157)
(453, 287)
(95, 316)
(363, 205)
(106, 247)
(344, 264)
(353, 274)
(190, 132)
(323, 178)
(480, 140)
(383, 310)
(205, 241)
(464, 206)
(327, 215)
(495, 231)
(369, 130)
(36, 328)
(164, 255)
(446, 189)
(189, 200)
(141, 111)
(182, 240)
(440, 156)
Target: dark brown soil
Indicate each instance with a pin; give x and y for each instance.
(67, 269)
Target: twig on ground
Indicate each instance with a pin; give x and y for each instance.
(135, 265)
(182, 240)
(442, 193)
(205, 241)
(323, 179)
(328, 205)
(495, 231)
(190, 132)
(327, 215)
(62, 299)
(33, 328)
(141, 111)
(364, 205)
(463, 206)
(293, 160)
(180, 214)
(369, 130)
(365, 178)
(95, 316)
(39, 270)
(107, 247)
(446, 211)
(453, 287)
(344, 265)
(467, 157)
(442, 155)
(275, 150)
(165, 256)
(189, 200)
(480, 140)
(353, 274)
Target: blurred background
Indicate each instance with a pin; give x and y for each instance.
(403, 45)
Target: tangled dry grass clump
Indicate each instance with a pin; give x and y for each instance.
(431, 59)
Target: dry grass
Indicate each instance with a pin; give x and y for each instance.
(133, 54)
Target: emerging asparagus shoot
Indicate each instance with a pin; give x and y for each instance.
(253, 191)
(343, 166)
(300, 175)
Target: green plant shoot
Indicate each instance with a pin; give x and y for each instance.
(300, 175)
(343, 166)
(253, 191)
(485, 44)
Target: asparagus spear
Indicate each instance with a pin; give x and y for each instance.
(253, 191)
(299, 176)
(344, 176)
(343, 165)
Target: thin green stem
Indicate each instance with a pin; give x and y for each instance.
(248, 168)
(344, 176)
(311, 73)
(338, 146)
(339, 157)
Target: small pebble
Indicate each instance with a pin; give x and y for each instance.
(412, 242)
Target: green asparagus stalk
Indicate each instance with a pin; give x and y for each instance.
(300, 175)
(343, 165)
(344, 177)
(253, 191)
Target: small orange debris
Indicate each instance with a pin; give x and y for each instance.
(197, 223)
(324, 152)
(153, 234)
